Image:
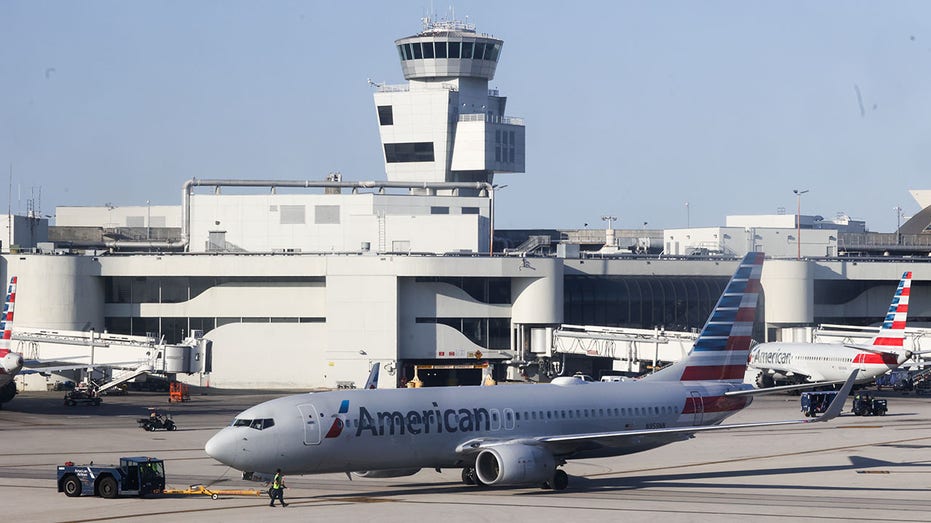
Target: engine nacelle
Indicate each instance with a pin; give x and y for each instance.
(514, 465)
(387, 473)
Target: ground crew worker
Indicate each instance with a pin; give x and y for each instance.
(278, 489)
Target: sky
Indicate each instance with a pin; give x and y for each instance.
(672, 113)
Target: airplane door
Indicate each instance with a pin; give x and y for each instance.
(698, 407)
(311, 424)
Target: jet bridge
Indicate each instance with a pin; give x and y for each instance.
(633, 350)
(117, 357)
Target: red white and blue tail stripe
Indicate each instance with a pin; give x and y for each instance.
(6, 322)
(721, 350)
(892, 333)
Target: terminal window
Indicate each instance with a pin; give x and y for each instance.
(409, 152)
(385, 115)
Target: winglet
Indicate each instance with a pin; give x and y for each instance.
(837, 405)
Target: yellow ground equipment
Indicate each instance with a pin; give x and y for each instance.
(201, 490)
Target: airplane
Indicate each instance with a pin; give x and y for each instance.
(10, 362)
(515, 434)
(779, 362)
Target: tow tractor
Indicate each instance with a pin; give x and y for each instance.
(134, 476)
(864, 404)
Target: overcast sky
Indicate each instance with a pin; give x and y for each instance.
(632, 108)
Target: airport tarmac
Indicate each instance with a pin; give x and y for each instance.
(852, 469)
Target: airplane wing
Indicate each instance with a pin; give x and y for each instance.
(563, 443)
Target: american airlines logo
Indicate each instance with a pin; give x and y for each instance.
(778, 358)
(436, 420)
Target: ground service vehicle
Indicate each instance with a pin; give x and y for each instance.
(156, 421)
(817, 402)
(135, 476)
(83, 395)
(864, 404)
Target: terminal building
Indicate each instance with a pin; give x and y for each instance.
(311, 286)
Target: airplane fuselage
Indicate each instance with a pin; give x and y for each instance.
(431, 427)
(820, 362)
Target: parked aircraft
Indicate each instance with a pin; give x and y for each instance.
(516, 434)
(787, 362)
(10, 362)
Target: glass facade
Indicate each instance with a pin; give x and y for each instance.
(485, 290)
(642, 302)
(178, 289)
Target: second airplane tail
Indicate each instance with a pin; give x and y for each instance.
(892, 333)
(721, 350)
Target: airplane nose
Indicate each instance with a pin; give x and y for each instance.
(222, 447)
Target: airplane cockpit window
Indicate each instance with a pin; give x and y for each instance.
(260, 424)
(242, 422)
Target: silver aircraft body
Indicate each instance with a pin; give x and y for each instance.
(509, 434)
(780, 362)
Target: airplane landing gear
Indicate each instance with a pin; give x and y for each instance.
(559, 482)
(469, 477)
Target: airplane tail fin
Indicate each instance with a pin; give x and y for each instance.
(721, 350)
(6, 322)
(372, 382)
(892, 334)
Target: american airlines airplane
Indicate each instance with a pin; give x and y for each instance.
(510, 434)
(10, 362)
(781, 362)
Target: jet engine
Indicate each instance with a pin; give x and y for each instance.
(387, 473)
(514, 465)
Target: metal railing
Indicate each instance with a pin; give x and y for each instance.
(491, 118)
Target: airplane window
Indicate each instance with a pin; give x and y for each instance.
(534, 415)
(517, 416)
(549, 414)
(601, 412)
(242, 422)
(563, 414)
(578, 413)
(256, 424)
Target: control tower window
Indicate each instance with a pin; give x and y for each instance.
(401, 52)
(454, 49)
(440, 48)
(466, 49)
(479, 51)
(408, 54)
(491, 52)
(428, 49)
(385, 115)
(418, 54)
(409, 152)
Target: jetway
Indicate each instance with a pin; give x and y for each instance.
(634, 350)
(50, 351)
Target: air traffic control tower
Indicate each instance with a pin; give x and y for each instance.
(446, 125)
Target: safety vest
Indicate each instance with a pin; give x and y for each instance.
(277, 482)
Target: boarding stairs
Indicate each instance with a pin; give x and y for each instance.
(531, 244)
(123, 377)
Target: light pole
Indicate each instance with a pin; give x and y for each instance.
(687, 217)
(148, 219)
(798, 220)
(898, 223)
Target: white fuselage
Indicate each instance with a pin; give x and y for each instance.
(355, 430)
(820, 361)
